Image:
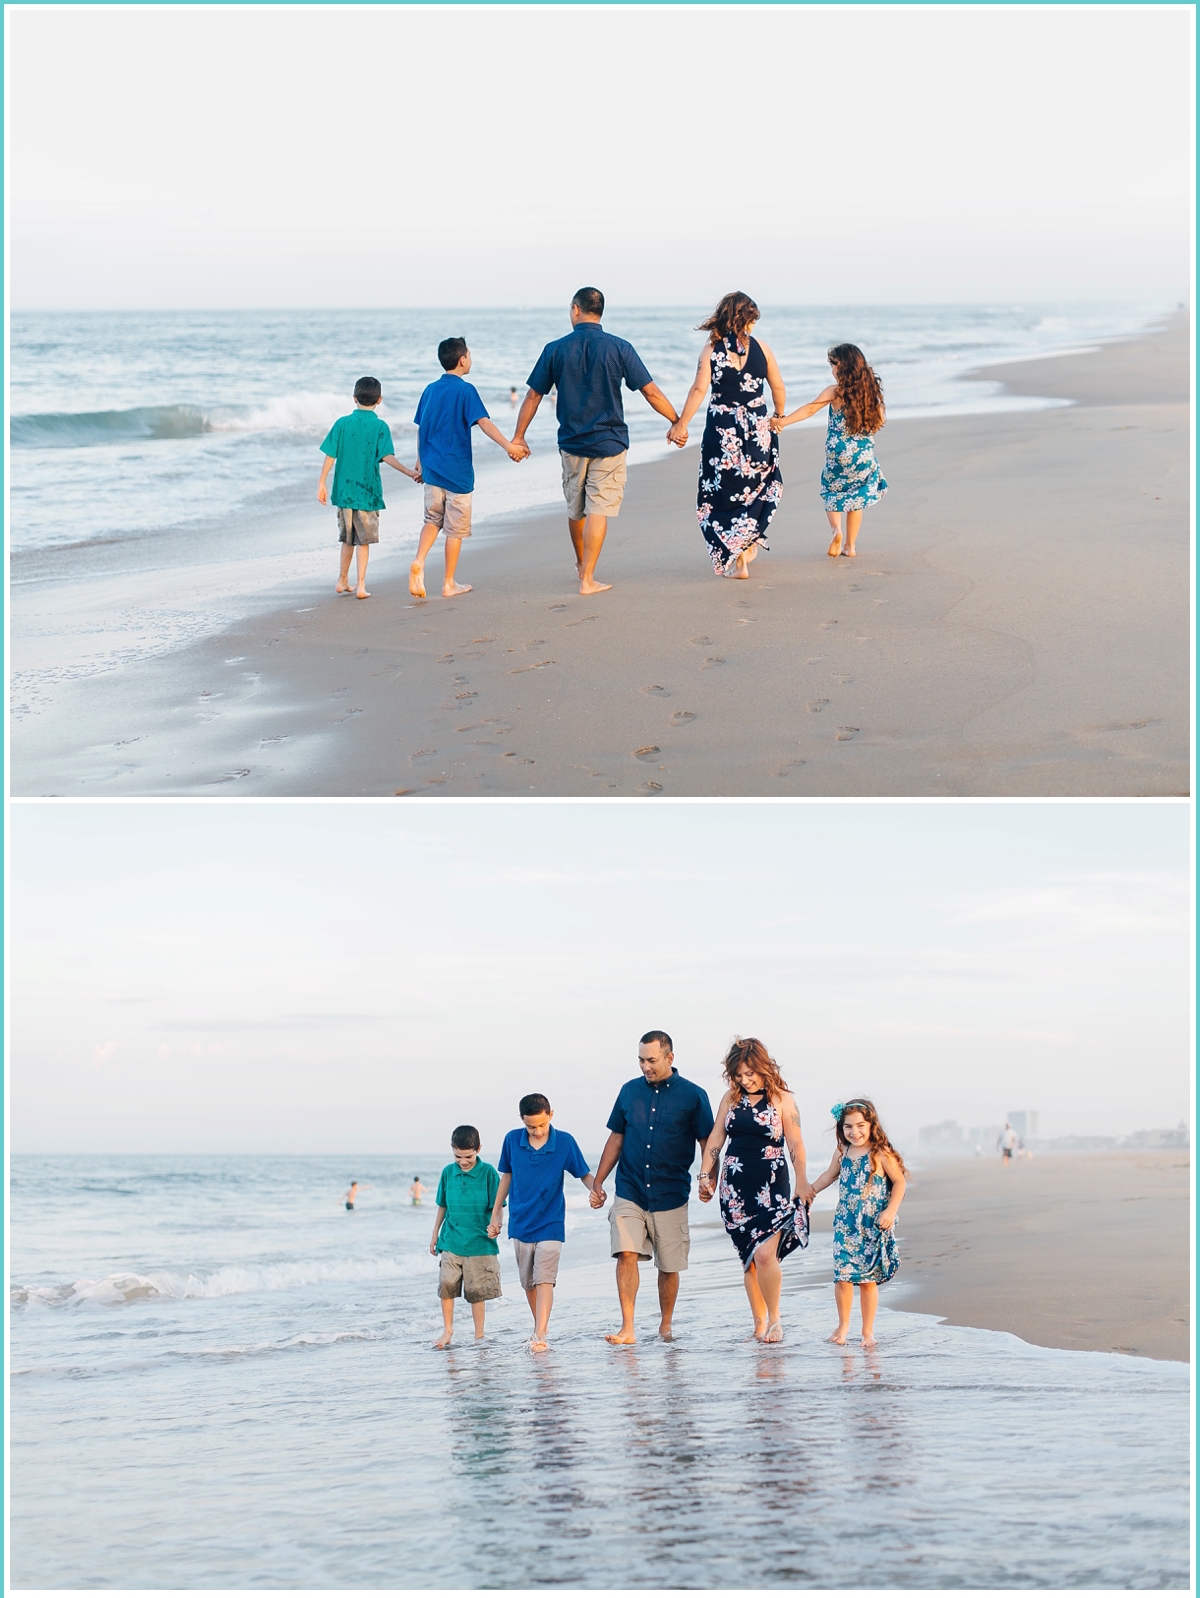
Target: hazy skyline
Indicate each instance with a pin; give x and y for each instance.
(322, 977)
(430, 155)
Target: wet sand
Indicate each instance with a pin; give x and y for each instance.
(1016, 624)
(1086, 1251)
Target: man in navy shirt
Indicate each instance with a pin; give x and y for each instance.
(587, 369)
(656, 1124)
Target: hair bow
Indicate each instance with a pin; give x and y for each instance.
(836, 1111)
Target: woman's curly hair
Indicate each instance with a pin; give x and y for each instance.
(859, 391)
(733, 315)
(752, 1054)
(878, 1142)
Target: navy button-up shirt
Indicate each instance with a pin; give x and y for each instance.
(587, 368)
(661, 1123)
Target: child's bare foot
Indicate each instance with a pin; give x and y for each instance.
(774, 1333)
(342, 587)
(836, 547)
(869, 1340)
(444, 1340)
(416, 580)
(538, 1345)
(479, 1336)
(622, 1337)
(593, 587)
(839, 1337)
(361, 593)
(449, 590)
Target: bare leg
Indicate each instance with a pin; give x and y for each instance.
(477, 1314)
(758, 1307)
(595, 530)
(361, 554)
(450, 587)
(627, 1286)
(835, 521)
(416, 572)
(668, 1292)
(543, 1296)
(853, 523)
(447, 1323)
(347, 554)
(575, 528)
(843, 1297)
(868, 1300)
(770, 1285)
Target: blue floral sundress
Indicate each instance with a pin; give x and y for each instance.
(740, 481)
(755, 1192)
(863, 1251)
(851, 479)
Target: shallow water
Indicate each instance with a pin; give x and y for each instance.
(220, 1378)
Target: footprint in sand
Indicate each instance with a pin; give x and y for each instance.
(844, 734)
(650, 787)
(444, 660)
(788, 766)
(700, 639)
(713, 660)
(235, 776)
(655, 689)
(844, 680)
(680, 718)
(471, 694)
(817, 705)
(647, 752)
(826, 624)
(559, 607)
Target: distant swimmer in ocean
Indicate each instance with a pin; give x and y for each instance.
(417, 1192)
(350, 1195)
(870, 1176)
(513, 395)
(851, 479)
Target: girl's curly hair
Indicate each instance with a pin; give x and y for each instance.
(860, 393)
(751, 1054)
(878, 1143)
(734, 314)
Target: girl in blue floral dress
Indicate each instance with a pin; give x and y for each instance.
(870, 1177)
(740, 481)
(758, 1116)
(851, 479)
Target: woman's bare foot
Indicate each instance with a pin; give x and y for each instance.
(760, 1331)
(444, 1340)
(362, 593)
(839, 1337)
(620, 1338)
(449, 590)
(594, 587)
(342, 587)
(851, 551)
(740, 570)
(752, 552)
(836, 547)
(869, 1340)
(416, 580)
(774, 1333)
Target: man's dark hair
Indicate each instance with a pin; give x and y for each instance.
(533, 1104)
(450, 352)
(589, 301)
(464, 1137)
(659, 1037)
(368, 391)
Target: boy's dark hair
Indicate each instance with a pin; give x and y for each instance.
(659, 1037)
(368, 391)
(533, 1104)
(589, 301)
(464, 1137)
(450, 352)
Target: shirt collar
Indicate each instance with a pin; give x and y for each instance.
(548, 1144)
(587, 327)
(665, 1083)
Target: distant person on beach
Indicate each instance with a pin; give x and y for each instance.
(469, 1266)
(358, 443)
(740, 481)
(870, 1176)
(533, 1162)
(513, 395)
(758, 1115)
(417, 1191)
(656, 1124)
(350, 1195)
(446, 413)
(851, 479)
(588, 367)
(1007, 1143)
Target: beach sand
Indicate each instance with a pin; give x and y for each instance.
(1016, 624)
(1085, 1251)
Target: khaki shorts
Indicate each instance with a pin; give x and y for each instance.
(537, 1263)
(450, 512)
(593, 485)
(661, 1234)
(475, 1277)
(357, 526)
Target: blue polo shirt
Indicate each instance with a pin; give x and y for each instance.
(661, 1122)
(446, 413)
(537, 1211)
(587, 368)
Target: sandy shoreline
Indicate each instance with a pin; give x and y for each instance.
(1016, 624)
(1069, 1251)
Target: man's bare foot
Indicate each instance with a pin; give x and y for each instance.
(774, 1333)
(593, 587)
(444, 1340)
(622, 1337)
(342, 588)
(361, 593)
(839, 1337)
(450, 589)
(538, 1345)
(416, 580)
(665, 1332)
(836, 547)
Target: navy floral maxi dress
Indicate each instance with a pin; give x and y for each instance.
(756, 1195)
(740, 481)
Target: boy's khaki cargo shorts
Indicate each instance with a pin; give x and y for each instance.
(661, 1233)
(593, 485)
(357, 526)
(475, 1277)
(450, 512)
(537, 1263)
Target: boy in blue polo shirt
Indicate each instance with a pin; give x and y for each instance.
(532, 1165)
(446, 413)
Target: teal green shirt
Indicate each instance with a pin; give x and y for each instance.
(358, 443)
(467, 1197)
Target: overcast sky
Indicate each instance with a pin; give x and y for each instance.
(360, 978)
(239, 156)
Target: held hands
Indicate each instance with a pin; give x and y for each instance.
(777, 423)
(805, 1192)
(598, 1198)
(493, 1227)
(706, 1187)
(677, 433)
(518, 450)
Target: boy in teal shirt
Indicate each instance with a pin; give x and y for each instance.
(470, 1265)
(358, 443)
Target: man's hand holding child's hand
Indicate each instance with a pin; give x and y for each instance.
(598, 1197)
(493, 1228)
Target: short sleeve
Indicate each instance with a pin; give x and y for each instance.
(504, 1163)
(476, 410)
(386, 447)
(441, 1192)
(541, 379)
(493, 1187)
(636, 375)
(618, 1121)
(702, 1116)
(332, 439)
(420, 410)
(575, 1162)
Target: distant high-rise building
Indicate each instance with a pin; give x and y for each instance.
(1023, 1122)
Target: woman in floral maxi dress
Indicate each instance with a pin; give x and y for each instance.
(758, 1116)
(740, 481)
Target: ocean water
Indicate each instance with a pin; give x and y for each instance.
(220, 1378)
